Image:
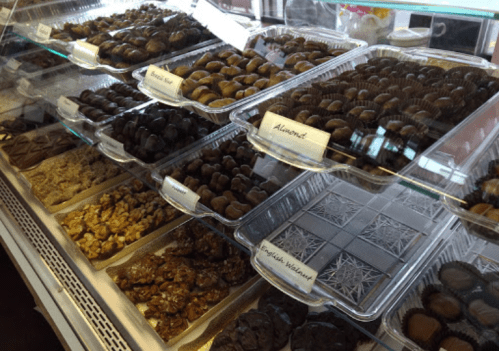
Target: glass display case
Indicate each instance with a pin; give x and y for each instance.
(181, 178)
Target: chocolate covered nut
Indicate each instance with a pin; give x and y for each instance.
(236, 210)
(256, 196)
(195, 165)
(228, 163)
(192, 183)
(219, 182)
(219, 204)
(211, 155)
(206, 195)
(207, 170)
(229, 195)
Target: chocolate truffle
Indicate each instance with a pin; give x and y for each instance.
(485, 314)
(453, 343)
(457, 277)
(443, 304)
(423, 328)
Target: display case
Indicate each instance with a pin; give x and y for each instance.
(161, 205)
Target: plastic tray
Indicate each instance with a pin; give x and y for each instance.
(29, 70)
(93, 83)
(350, 173)
(125, 74)
(78, 196)
(476, 167)
(108, 150)
(239, 297)
(364, 247)
(201, 210)
(55, 14)
(82, 200)
(37, 133)
(221, 115)
(461, 247)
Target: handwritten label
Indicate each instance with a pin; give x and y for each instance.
(221, 25)
(86, 52)
(43, 31)
(4, 15)
(286, 266)
(24, 84)
(180, 193)
(293, 135)
(13, 64)
(68, 107)
(163, 82)
(113, 145)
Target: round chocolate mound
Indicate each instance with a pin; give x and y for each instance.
(458, 276)
(318, 336)
(436, 299)
(296, 310)
(422, 328)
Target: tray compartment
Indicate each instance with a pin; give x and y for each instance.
(457, 246)
(364, 247)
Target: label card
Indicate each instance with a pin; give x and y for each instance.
(13, 64)
(163, 82)
(85, 52)
(286, 266)
(67, 106)
(43, 31)
(221, 25)
(113, 145)
(180, 193)
(24, 84)
(4, 15)
(300, 138)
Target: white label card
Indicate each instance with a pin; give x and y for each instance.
(300, 138)
(43, 31)
(13, 64)
(221, 25)
(85, 52)
(163, 82)
(24, 84)
(4, 15)
(68, 107)
(180, 193)
(113, 145)
(286, 266)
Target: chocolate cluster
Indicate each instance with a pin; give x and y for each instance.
(145, 15)
(187, 279)
(131, 46)
(159, 130)
(104, 103)
(117, 219)
(280, 320)
(221, 78)
(223, 177)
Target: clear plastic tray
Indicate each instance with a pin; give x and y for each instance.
(28, 70)
(476, 167)
(125, 74)
(108, 149)
(372, 183)
(364, 247)
(55, 14)
(92, 197)
(79, 194)
(221, 115)
(457, 246)
(239, 297)
(202, 211)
